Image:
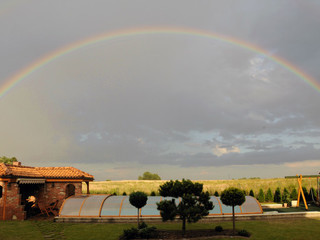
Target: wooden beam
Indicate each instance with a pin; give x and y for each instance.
(5, 200)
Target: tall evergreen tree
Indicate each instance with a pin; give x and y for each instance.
(277, 196)
(269, 196)
(261, 197)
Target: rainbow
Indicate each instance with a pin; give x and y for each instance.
(12, 81)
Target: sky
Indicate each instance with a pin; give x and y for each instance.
(185, 89)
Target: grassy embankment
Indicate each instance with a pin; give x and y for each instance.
(129, 186)
(261, 230)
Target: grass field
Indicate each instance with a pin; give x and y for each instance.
(261, 230)
(129, 186)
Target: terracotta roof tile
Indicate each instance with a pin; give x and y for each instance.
(43, 172)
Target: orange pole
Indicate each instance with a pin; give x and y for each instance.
(301, 191)
(5, 200)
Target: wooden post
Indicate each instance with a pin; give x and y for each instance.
(88, 190)
(5, 200)
(318, 189)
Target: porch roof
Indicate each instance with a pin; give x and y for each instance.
(7, 170)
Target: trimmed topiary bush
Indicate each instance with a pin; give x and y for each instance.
(138, 200)
(233, 197)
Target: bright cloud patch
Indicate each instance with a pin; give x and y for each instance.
(219, 151)
(309, 163)
(259, 69)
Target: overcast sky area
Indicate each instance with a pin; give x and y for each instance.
(180, 105)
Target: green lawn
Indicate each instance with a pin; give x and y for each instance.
(278, 229)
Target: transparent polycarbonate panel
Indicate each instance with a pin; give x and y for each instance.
(127, 209)
(250, 205)
(228, 209)
(91, 206)
(72, 205)
(150, 209)
(216, 209)
(111, 206)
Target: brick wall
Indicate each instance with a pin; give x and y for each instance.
(48, 193)
(14, 210)
(57, 191)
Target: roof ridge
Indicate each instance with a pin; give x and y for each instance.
(5, 169)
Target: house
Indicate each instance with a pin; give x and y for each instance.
(46, 184)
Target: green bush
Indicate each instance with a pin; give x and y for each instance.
(306, 194)
(143, 231)
(124, 194)
(143, 225)
(216, 194)
(269, 196)
(277, 196)
(130, 233)
(312, 194)
(244, 233)
(261, 197)
(153, 193)
(218, 229)
(148, 232)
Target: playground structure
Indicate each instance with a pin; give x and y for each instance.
(300, 190)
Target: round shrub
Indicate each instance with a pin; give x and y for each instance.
(218, 229)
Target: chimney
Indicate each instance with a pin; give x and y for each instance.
(16, 163)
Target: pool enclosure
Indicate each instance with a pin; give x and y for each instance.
(110, 206)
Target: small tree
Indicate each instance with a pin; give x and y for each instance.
(294, 194)
(251, 193)
(194, 202)
(277, 196)
(261, 197)
(269, 196)
(138, 200)
(285, 196)
(233, 197)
